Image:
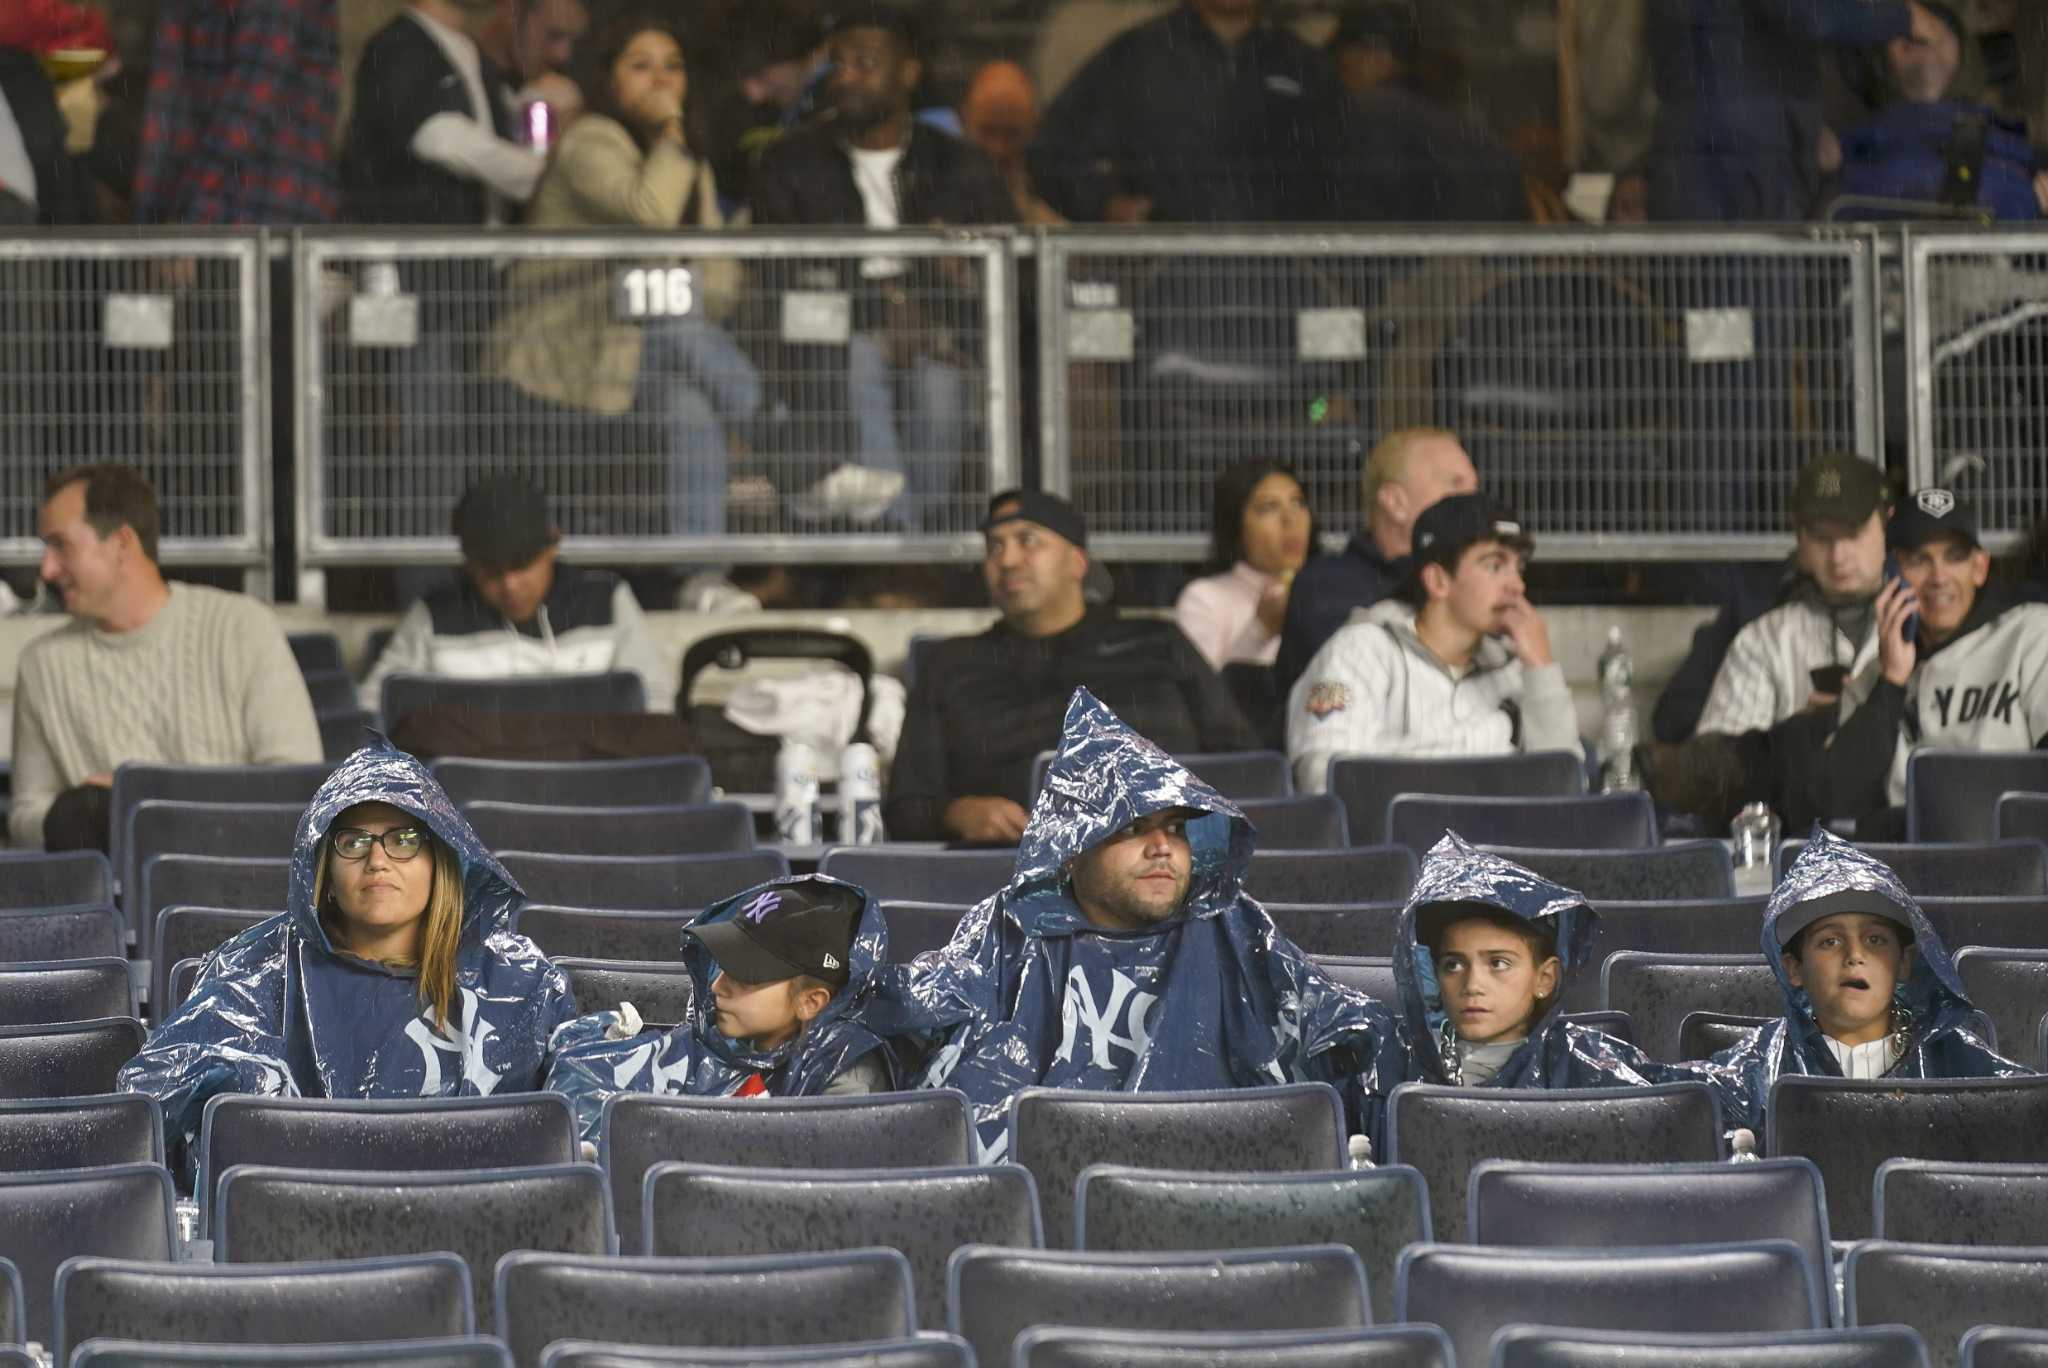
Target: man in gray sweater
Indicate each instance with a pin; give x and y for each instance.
(144, 671)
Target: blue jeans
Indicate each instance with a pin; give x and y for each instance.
(935, 413)
(698, 379)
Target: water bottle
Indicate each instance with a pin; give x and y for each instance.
(796, 795)
(1755, 832)
(537, 120)
(1618, 716)
(860, 795)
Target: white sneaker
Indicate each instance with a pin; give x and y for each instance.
(859, 494)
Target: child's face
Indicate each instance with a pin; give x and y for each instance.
(765, 1014)
(1849, 964)
(1490, 981)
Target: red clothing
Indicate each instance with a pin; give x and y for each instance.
(41, 26)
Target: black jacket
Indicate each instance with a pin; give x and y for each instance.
(1324, 595)
(985, 706)
(60, 186)
(402, 80)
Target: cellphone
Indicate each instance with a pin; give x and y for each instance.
(1828, 679)
(1892, 573)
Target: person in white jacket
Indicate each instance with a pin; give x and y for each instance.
(1459, 664)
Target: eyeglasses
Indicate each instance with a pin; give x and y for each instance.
(400, 843)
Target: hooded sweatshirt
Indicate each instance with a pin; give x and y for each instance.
(1945, 1039)
(1030, 993)
(696, 1060)
(278, 1011)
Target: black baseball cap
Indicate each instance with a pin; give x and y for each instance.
(1838, 487)
(1049, 511)
(1447, 527)
(795, 926)
(503, 521)
(1929, 516)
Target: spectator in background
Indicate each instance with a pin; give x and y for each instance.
(1000, 116)
(145, 670)
(517, 611)
(1211, 113)
(533, 43)
(985, 706)
(1739, 101)
(40, 182)
(1407, 471)
(1260, 533)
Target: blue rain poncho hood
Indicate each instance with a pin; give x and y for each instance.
(279, 1011)
(695, 1059)
(1030, 993)
(1945, 1037)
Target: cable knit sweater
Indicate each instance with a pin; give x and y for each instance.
(209, 681)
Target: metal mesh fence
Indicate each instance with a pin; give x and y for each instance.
(1648, 393)
(733, 396)
(145, 353)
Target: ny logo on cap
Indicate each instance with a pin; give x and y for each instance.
(1935, 503)
(1829, 485)
(757, 911)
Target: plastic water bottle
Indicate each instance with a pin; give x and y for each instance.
(796, 795)
(1618, 716)
(1755, 834)
(860, 795)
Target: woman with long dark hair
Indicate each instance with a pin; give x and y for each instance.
(1261, 532)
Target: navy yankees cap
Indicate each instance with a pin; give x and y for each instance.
(796, 926)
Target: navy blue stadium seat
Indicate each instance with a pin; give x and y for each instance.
(317, 651)
(1532, 1346)
(245, 885)
(1667, 873)
(1598, 821)
(1347, 929)
(915, 874)
(662, 883)
(1308, 821)
(52, 993)
(660, 992)
(604, 934)
(1361, 874)
(692, 829)
(184, 933)
(2004, 1346)
(1987, 869)
(1935, 1201)
(1397, 1346)
(467, 1351)
(1660, 991)
(118, 1212)
(666, 780)
(183, 978)
(2010, 987)
(58, 878)
(76, 1059)
(175, 826)
(1705, 926)
(1702, 1035)
(2015, 923)
(926, 1351)
(1368, 784)
(80, 1132)
(1952, 795)
(915, 927)
(55, 933)
(1236, 775)
(1944, 1291)
(2021, 817)
(619, 691)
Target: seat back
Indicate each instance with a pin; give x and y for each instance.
(51, 994)
(896, 874)
(1704, 926)
(916, 1130)
(696, 829)
(28, 935)
(1934, 1201)
(425, 1296)
(1531, 1346)
(1352, 930)
(1680, 871)
(119, 1212)
(178, 987)
(76, 1059)
(1702, 1035)
(231, 830)
(2010, 987)
(315, 651)
(1473, 1292)
(291, 1215)
(80, 1132)
(994, 1295)
(656, 883)
(1361, 874)
(57, 878)
(1445, 1131)
(861, 1294)
(1370, 975)
(1848, 1127)
(925, 1214)
(1944, 1291)
(926, 1351)
(1986, 869)
(1374, 1212)
(661, 993)
(469, 1351)
(2004, 1346)
(184, 933)
(659, 780)
(591, 933)
(1660, 991)
(12, 1317)
(1368, 784)
(2012, 923)
(215, 881)
(1396, 1346)
(915, 927)
(2021, 817)
(1952, 795)
(1597, 821)
(135, 784)
(1237, 775)
(618, 691)
(1058, 1132)
(1309, 821)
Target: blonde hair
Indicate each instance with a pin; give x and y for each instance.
(1387, 462)
(439, 937)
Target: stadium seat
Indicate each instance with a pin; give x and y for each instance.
(915, 927)
(61, 878)
(241, 831)
(1370, 975)
(1352, 930)
(1680, 871)
(1989, 869)
(178, 986)
(1660, 991)
(1599, 821)
(1309, 821)
(1472, 1292)
(119, 1212)
(1944, 1291)
(77, 1059)
(59, 933)
(1398, 1346)
(667, 780)
(13, 1357)
(1952, 795)
(1375, 1212)
(11, 1315)
(1933, 1201)
(1848, 1127)
(661, 993)
(1706, 926)
(1057, 1133)
(245, 885)
(659, 883)
(1361, 874)
(592, 933)
(517, 1130)
(2004, 1346)
(925, 1214)
(470, 1351)
(1533, 1346)
(1237, 775)
(817, 1299)
(2010, 987)
(2021, 817)
(425, 1296)
(1368, 784)
(80, 1132)
(619, 691)
(316, 651)
(135, 784)
(333, 694)
(925, 1129)
(2013, 923)
(697, 829)
(342, 734)
(1445, 1131)
(994, 1295)
(926, 1351)
(184, 933)
(1703, 1035)
(55, 993)
(913, 874)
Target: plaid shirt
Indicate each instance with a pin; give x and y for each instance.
(239, 127)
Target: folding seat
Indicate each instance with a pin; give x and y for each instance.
(2010, 987)
(1698, 926)
(1952, 795)
(661, 993)
(1308, 821)
(236, 831)
(1472, 1292)
(424, 1296)
(1944, 1291)
(1398, 1346)
(1978, 869)
(76, 1059)
(914, 874)
(915, 927)
(135, 784)
(2004, 1346)
(1361, 874)
(1848, 1127)
(12, 1318)
(59, 933)
(918, 1130)
(212, 881)
(58, 878)
(1368, 784)
(1445, 1131)
(1237, 775)
(178, 986)
(926, 1351)
(184, 933)
(695, 829)
(342, 734)
(316, 651)
(1535, 1346)
(701, 1211)
(470, 1351)
(119, 1212)
(619, 691)
(333, 693)
(1371, 976)
(2011, 923)
(994, 1295)
(1351, 930)
(1375, 1212)
(1936, 1201)
(1057, 1132)
(593, 933)
(660, 780)
(287, 1215)
(861, 1294)
(2021, 817)
(80, 1132)
(655, 883)
(51, 994)
(1597, 821)
(1660, 991)
(1702, 1035)
(1668, 873)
